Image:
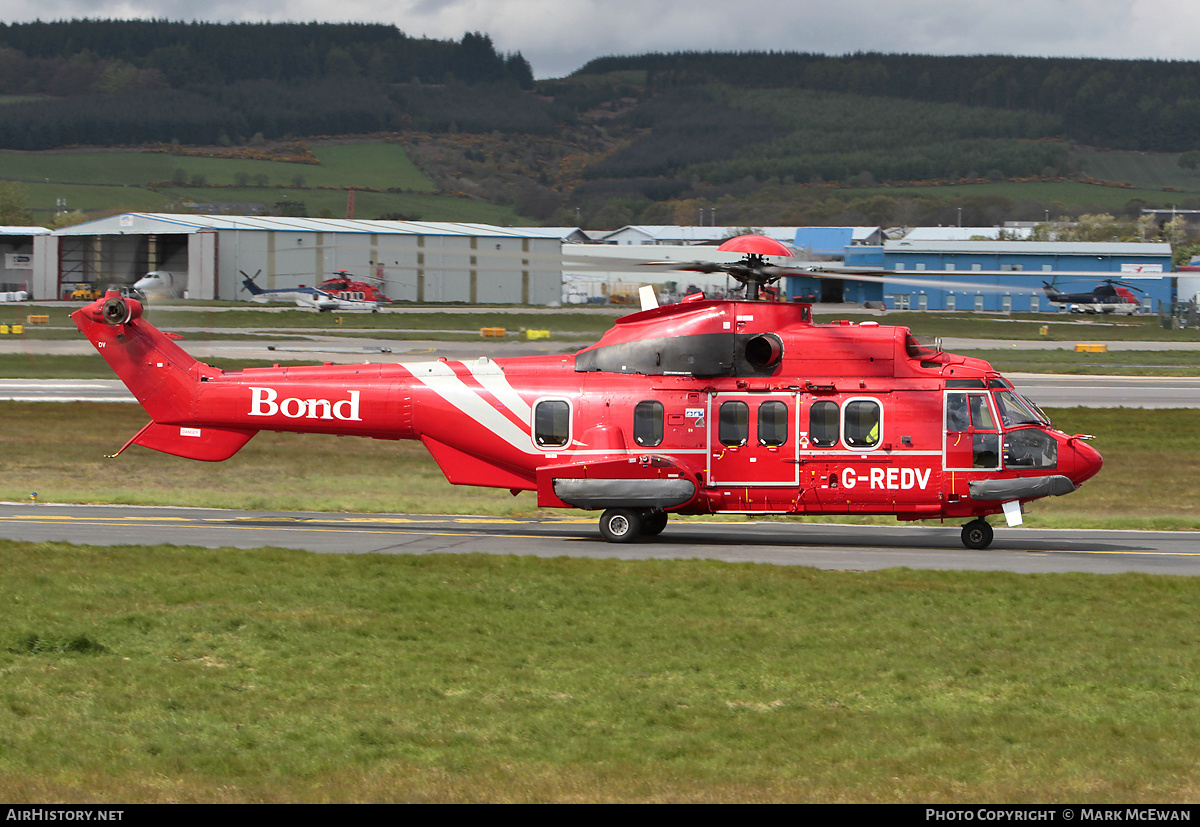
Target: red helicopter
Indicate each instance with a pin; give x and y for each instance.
(342, 285)
(701, 407)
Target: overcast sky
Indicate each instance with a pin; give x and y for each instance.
(559, 36)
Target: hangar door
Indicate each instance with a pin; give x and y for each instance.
(202, 266)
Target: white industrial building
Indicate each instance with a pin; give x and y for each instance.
(412, 260)
(20, 247)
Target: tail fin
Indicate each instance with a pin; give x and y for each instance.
(162, 377)
(254, 289)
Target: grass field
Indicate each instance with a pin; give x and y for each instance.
(166, 674)
(170, 674)
(242, 315)
(380, 165)
(583, 328)
(1061, 327)
(119, 180)
(1113, 363)
(59, 452)
(116, 180)
(1070, 194)
(1065, 361)
(1148, 170)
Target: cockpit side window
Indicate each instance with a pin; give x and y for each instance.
(1030, 448)
(981, 414)
(958, 416)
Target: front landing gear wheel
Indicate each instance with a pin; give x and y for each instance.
(620, 525)
(653, 522)
(977, 534)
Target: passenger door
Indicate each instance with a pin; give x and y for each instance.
(752, 439)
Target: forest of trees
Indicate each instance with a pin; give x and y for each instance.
(720, 135)
(81, 57)
(653, 138)
(1120, 104)
(156, 80)
(109, 82)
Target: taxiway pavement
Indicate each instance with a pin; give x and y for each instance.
(820, 545)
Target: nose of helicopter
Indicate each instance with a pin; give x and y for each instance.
(1087, 461)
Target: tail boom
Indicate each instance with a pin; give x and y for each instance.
(201, 412)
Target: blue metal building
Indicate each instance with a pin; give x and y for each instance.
(994, 275)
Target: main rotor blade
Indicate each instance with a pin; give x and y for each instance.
(930, 281)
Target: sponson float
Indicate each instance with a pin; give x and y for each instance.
(701, 407)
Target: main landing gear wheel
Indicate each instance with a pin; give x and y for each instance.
(977, 534)
(620, 525)
(653, 522)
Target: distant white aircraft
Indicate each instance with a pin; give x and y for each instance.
(162, 284)
(302, 296)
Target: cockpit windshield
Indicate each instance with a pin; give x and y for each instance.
(1017, 410)
(1034, 409)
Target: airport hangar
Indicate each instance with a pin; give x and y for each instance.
(21, 246)
(414, 260)
(1009, 274)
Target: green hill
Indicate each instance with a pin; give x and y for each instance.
(386, 183)
(456, 131)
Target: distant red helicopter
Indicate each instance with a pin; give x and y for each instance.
(342, 285)
(701, 407)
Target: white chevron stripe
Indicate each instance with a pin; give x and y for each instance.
(490, 375)
(439, 377)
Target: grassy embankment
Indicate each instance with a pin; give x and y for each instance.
(170, 674)
(1146, 482)
(580, 328)
(120, 180)
(58, 451)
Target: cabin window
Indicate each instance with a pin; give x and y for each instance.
(823, 424)
(733, 428)
(552, 423)
(862, 423)
(648, 423)
(772, 423)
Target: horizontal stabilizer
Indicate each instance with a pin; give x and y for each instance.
(204, 443)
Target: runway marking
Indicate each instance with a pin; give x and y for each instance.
(285, 520)
(305, 524)
(50, 517)
(101, 522)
